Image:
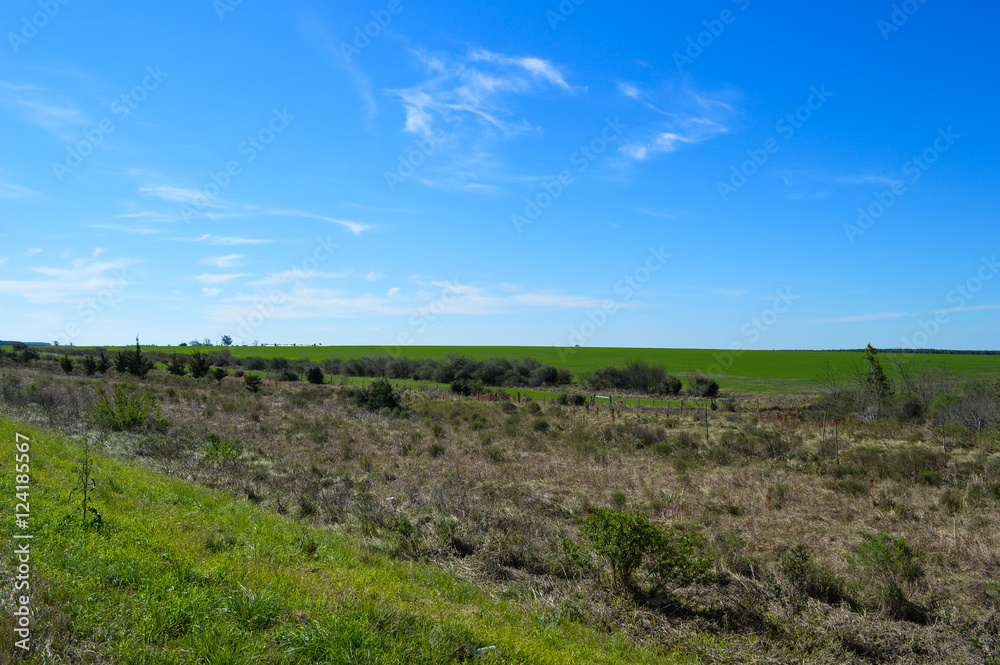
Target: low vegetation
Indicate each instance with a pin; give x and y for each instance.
(772, 529)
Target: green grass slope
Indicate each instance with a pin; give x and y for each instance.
(181, 574)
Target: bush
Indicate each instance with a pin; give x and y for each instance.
(630, 542)
(219, 373)
(222, 450)
(89, 365)
(636, 376)
(468, 387)
(123, 411)
(700, 385)
(752, 441)
(314, 375)
(909, 407)
(890, 561)
(670, 385)
(66, 363)
(377, 396)
(540, 425)
(809, 578)
(288, 375)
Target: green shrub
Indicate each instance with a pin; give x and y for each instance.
(540, 425)
(467, 387)
(288, 375)
(752, 441)
(377, 396)
(700, 385)
(809, 578)
(889, 562)
(219, 373)
(630, 542)
(89, 365)
(314, 375)
(670, 385)
(222, 449)
(124, 411)
(66, 363)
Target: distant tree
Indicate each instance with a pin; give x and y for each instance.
(176, 366)
(227, 340)
(194, 342)
(314, 374)
(103, 364)
(67, 364)
(199, 365)
(183, 344)
(133, 362)
(875, 378)
(208, 342)
(253, 383)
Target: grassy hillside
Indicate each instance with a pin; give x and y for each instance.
(180, 574)
(752, 371)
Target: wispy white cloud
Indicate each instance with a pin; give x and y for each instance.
(474, 93)
(39, 107)
(683, 116)
(858, 318)
(304, 300)
(318, 35)
(68, 284)
(200, 206)
(731, 293)
(654, 213)
(127, 229)
(967, 308)
(291, 276)
(185, 195)
(227, 261)
(219, 278)
(210, 239)
(9, 190)
(210, 292)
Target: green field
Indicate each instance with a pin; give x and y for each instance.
(752, 371)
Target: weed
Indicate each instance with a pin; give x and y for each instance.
(85, 484)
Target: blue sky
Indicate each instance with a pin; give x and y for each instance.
(727, 174)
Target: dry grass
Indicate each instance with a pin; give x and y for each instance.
(495, 491)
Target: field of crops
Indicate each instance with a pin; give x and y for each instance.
(751, 371)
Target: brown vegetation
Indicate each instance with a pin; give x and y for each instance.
(830, 540)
